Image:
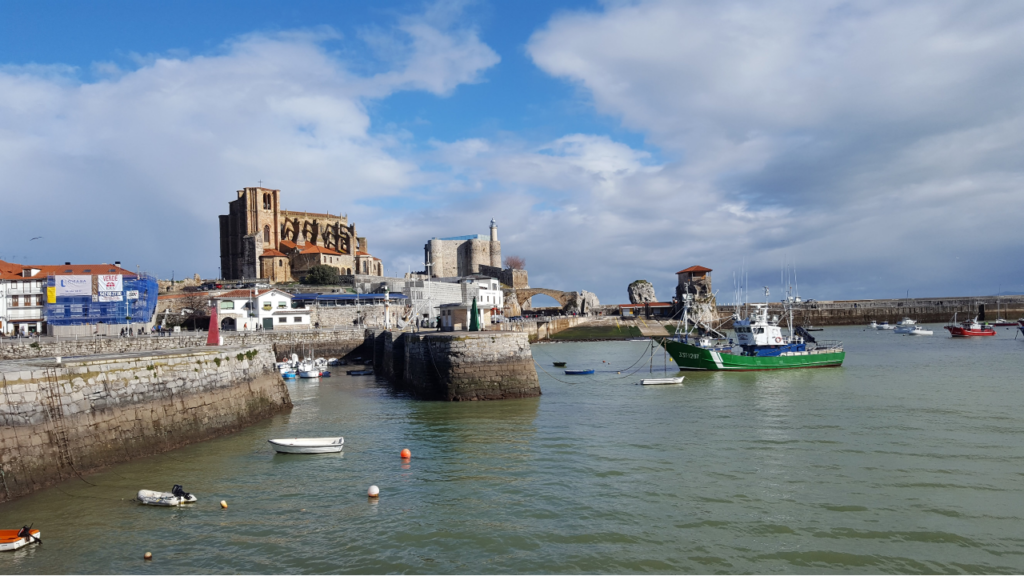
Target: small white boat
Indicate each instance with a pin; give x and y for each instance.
(176, 497)
(662, 381)
(308, 445)
(919, 331)
(906, 322)
(14, 539)
(885, 326)
(314, 373)
(873, 325)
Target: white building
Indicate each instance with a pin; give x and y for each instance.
(22, 296)
(490, 299)
(250, 310)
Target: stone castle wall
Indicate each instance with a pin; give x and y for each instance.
(62, 420)
(446, 366)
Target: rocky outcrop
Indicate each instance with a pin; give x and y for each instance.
(641, 292)
(581, 303)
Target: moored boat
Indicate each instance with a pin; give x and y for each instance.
(360, 372)
(579, 372)
(559, 364)
(906, 322)
(969, 328)
(662, 381)
(762, 346)
(14, 539)
(308, 445)
(914, 331)
(176, 497)
(885, 326)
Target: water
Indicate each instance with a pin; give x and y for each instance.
(907, 459)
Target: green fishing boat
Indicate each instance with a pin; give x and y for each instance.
(761, 345)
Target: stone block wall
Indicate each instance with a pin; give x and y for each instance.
(61, 420)
(459, 367)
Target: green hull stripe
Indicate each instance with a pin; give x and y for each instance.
(693, 358)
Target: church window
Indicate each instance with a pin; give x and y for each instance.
(266, 234)
(266, 201)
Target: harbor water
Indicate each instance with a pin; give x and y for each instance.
(909, 458)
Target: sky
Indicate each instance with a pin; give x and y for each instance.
(875, 147)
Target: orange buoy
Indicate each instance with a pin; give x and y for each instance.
(223, 503)
(148, 555)
(406, 453)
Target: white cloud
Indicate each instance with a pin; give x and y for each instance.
(860, 137)
(137, 165)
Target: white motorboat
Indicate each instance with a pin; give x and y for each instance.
(916, 331)
(176, 497)
(873, 325)
(14, 539)
(308, 445)
(906, 322)
(314, 373)
(662, 381)
(885, 326)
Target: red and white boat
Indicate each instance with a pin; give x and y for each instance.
(970, 328)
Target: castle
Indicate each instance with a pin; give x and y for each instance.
(260, 240)
(462, 255)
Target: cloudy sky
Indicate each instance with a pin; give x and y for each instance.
(879, 146)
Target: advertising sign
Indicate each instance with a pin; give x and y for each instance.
(110, 287)
(51, 295)
(73, 285)
(133, 294)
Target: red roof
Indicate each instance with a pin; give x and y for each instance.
(12, 271)
(244, 294)
(694, 269)
(272, 252)
(288, 244)
(314, 249)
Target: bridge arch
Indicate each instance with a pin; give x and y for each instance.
(524, 294)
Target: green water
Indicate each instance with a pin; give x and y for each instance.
(910, 458)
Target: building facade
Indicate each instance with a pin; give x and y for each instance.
(259, 240)
(249, 310)
(462, 255)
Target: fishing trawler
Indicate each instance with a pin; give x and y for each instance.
(761, 342)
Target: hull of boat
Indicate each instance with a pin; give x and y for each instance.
(959, 332)
(689, 357)
(662, 381)
(308, 445)
(154, 498)
(578, 372)
(9, 539)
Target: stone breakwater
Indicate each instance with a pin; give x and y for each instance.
(324, 342)
(63, 419)
(457, 366)
(933, 310)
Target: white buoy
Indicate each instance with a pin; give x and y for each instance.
(373, 492)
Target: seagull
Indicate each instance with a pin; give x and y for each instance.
(36, 238)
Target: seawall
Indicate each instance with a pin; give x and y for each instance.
(855, 312)
(69, 418)
(323, 342)
(457, 366)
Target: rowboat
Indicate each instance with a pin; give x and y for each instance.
(176, 497)
(14, 539)
(308, 445)
(662, 381)
(288, 375)
(559, 364)
(360, 372)
(579, 372)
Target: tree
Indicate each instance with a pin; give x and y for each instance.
(513, 262)
(321, 274)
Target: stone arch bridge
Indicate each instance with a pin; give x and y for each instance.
(563, 298)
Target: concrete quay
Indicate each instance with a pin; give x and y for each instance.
(67, 418)
(457, 366)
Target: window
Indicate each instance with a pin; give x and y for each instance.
(280, 262)
(282, 320)
(227, 305)
(266, 234)
(266, 201)
(297, 319)
(282, 304)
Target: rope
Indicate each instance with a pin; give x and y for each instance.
(638, 360)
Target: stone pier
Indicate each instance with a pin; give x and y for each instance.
(458, 366)
(63, 419)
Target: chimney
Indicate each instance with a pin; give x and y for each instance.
(67, 263)
(117, 263)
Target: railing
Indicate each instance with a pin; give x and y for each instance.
(826, 345)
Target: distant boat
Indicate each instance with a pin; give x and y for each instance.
(913, 331)
(969, 328)
(662, 381)
(906, 322)
(579, 372)
(289, 375)
(308, 445)
(559, 364)
(14, 539)
(360, 372)
(885, 326)
(873, 325)
(813, 329)
(1002, 322)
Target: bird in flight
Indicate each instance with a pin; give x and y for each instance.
(36, 238)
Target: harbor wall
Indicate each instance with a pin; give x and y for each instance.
(458, 366)
(324, 342)
(58, 420)
(924, 310)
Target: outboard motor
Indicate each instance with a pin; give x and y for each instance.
(180, 492)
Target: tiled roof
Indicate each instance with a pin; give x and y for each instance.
(45, 270)
(695, 269)
(272, 252)
(233, 294)
(286, 244)
(314, 249)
